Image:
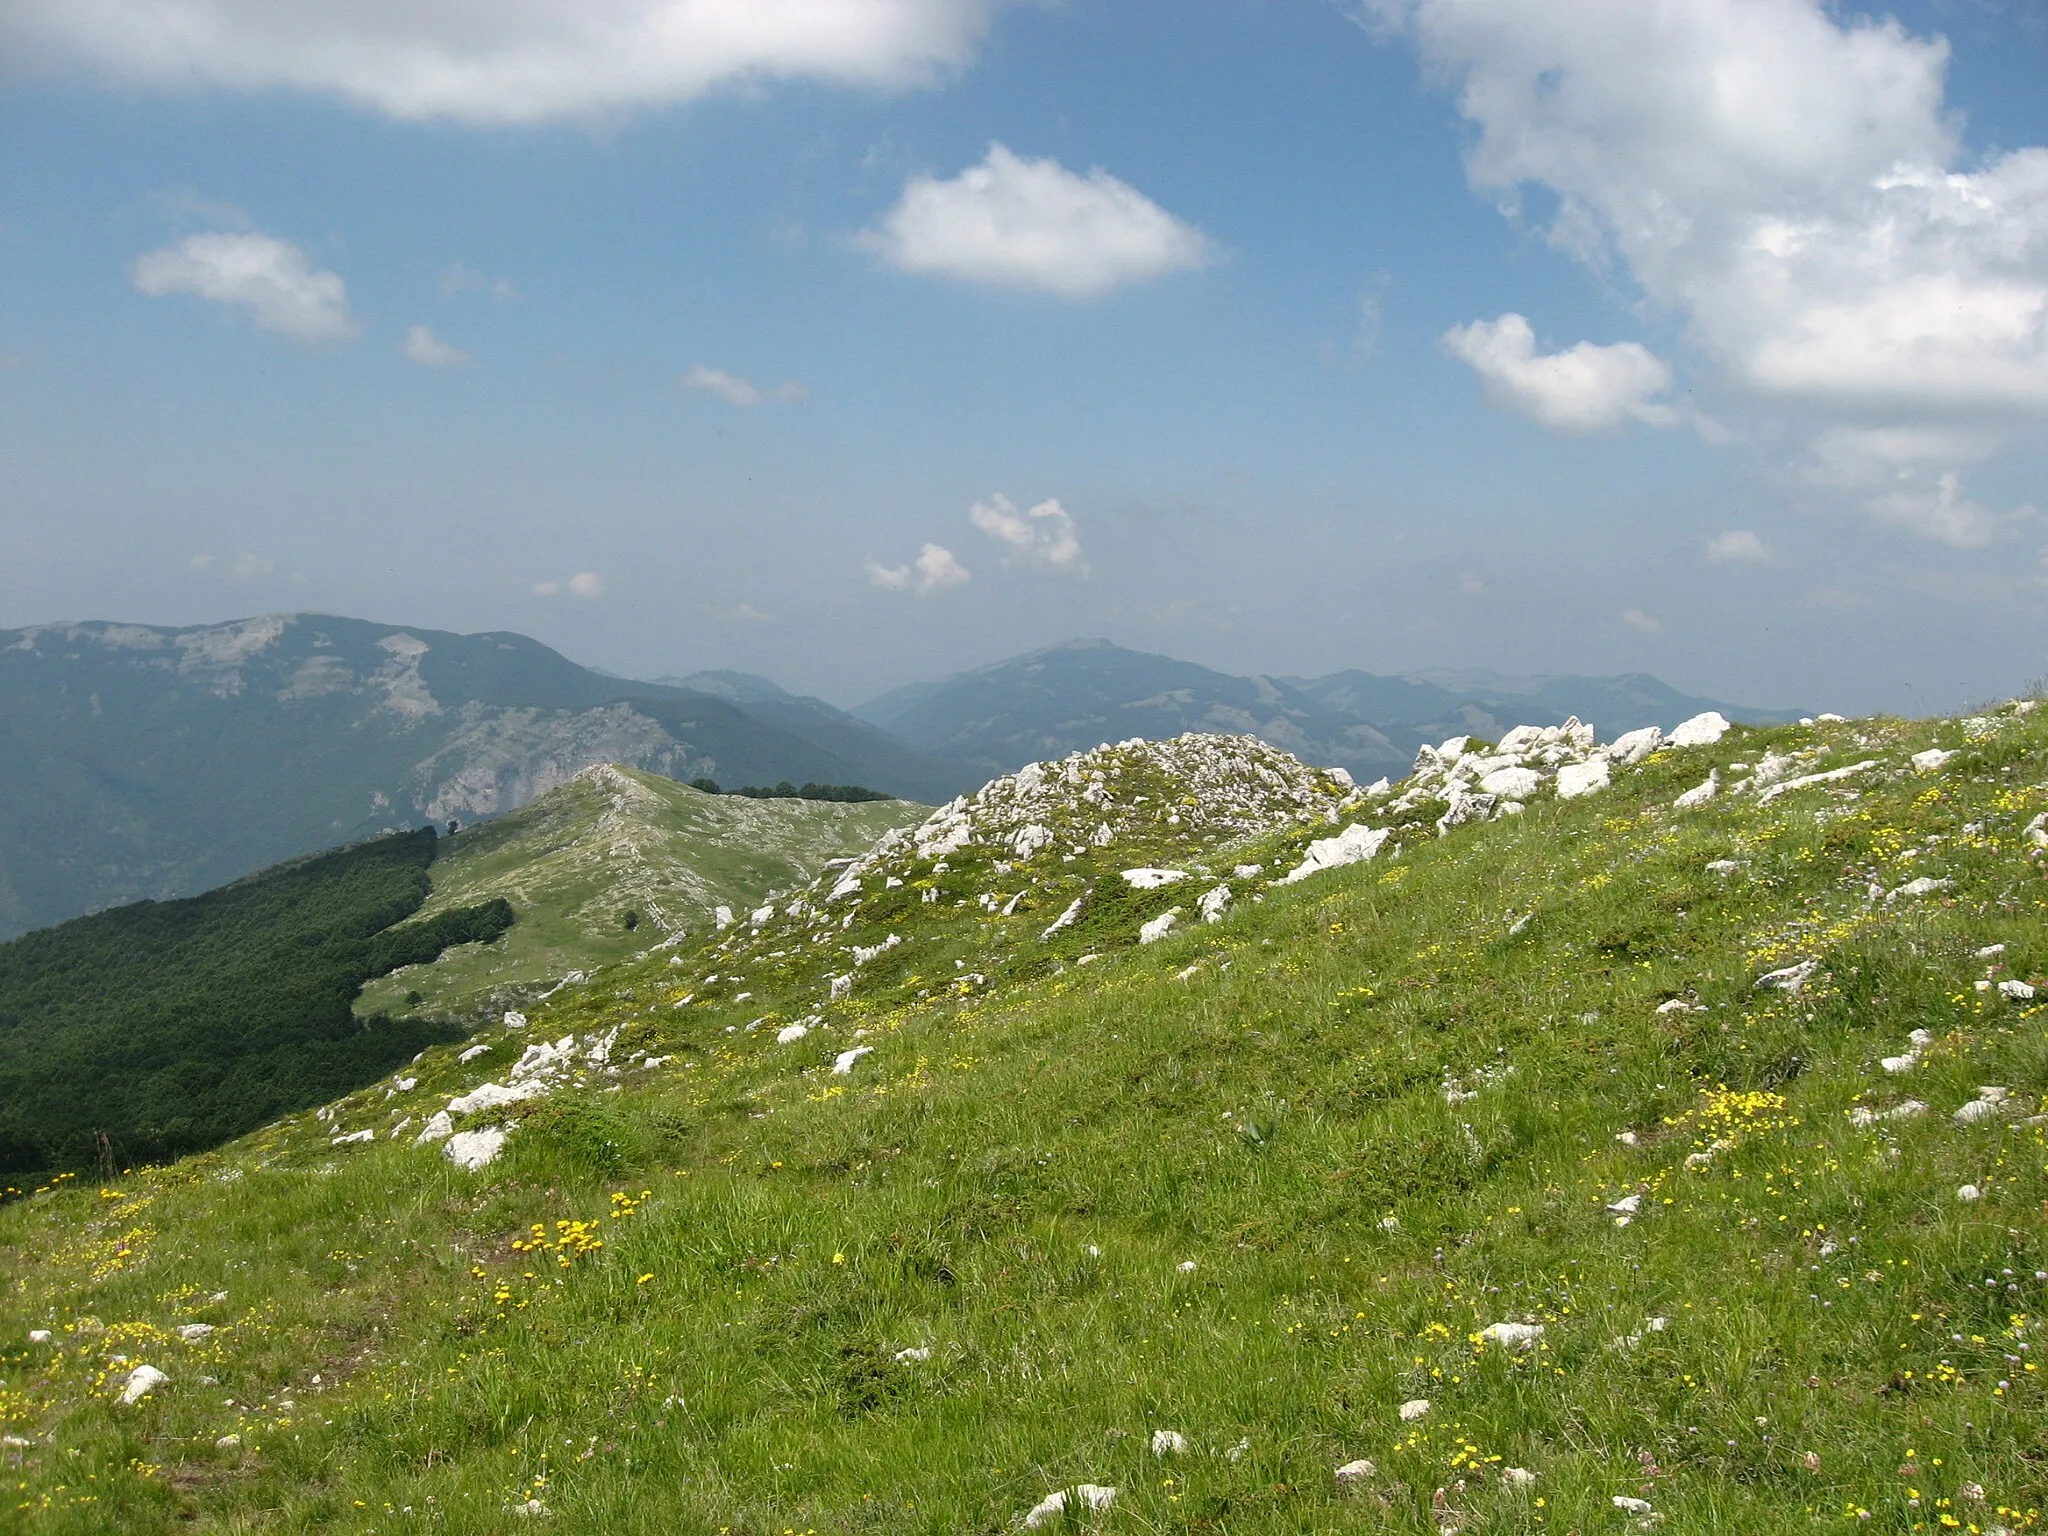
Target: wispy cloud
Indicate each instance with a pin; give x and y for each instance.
(585, 584)
(268, 279)
(1738, 546)
(462, 278)
(1635, 618)
(430, 351)
(1044, 535)
(744, 393)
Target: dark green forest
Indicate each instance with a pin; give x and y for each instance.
(163, 1028)
(845, 794)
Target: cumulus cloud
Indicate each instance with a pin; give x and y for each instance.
(481, 63)
(429, 350)
(1581, 389)
(1043, 535)
(267, 278)
(744, 393)
(1635, 618)
(934, 570)
(1738, 546)
(582, 584)
(1017, 223)
(1784, 179)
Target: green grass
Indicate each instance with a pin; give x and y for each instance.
(1019, 1176)
(615, 841)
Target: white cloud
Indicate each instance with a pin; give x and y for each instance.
(744, 393)
(934, 570)
(1017, 223)
(1581, 389)
(502, 63)
(269, 278)
(582, 584)
(1636, 618)
(200, 562)
(1738, 546)
(429, 350)
(1941, 511)
(1044, 535)
(1785, 180)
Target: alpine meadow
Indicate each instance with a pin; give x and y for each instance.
(1168, 1137)
(1023, 767)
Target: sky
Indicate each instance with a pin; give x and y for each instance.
(855, 342)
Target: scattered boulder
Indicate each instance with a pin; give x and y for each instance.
(1702, 730)
(1160, 926)
(1576, 779)
(472, 1150)
(1354, 845)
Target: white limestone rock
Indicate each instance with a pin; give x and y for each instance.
(1700, 794)
(1054, 1505)
(475, 1149)
(1160, 926)
(1576, 779)
(1354, 845)
(1702, 730)
(142, 1381)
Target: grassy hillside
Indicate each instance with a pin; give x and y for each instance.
(167, 1027)
(613, 845)
(1204, 1221)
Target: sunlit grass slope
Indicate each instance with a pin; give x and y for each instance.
(612, 842)
(1259, 1185)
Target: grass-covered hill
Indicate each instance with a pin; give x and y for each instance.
(164, 1028)
(615, 863)
(1550, 1143)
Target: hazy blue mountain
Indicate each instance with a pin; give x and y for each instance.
(916, 775)
(1075, 696)
(1072, 697)
(151, 762)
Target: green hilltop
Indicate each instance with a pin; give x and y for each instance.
(614, 846)
(1565, 1139)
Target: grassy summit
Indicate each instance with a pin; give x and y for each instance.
(1573, 1170)
(615, 846)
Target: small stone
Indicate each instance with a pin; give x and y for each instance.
(1969, 1194)
(1167, 1442)
(1413, 1409)
(1518, 1477)
(1355, 1471)
(1931, 759)
(142, 1381)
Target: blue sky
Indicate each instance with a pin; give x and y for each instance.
(1700, 337)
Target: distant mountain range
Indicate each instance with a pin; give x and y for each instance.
(150, 762)
(145, 762)
(1071, 697)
